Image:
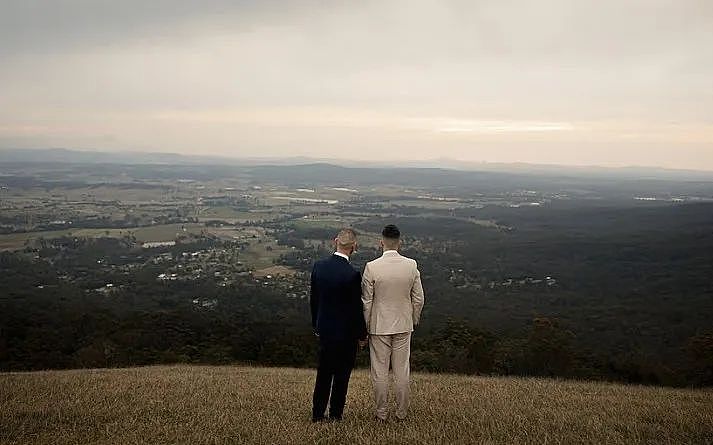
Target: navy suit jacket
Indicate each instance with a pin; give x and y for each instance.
(335, 300)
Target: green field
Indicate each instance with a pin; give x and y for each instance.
(264, 254)
(164, 232)
(229, 214)
(428, 204)
(262, 251)
(320, 223)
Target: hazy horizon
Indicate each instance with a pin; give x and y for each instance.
(607, 84)
(448, 163)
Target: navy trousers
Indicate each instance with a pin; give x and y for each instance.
(336, 361)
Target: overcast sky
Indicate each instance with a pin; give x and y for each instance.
(606, 82)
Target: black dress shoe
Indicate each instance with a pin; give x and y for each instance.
(316, 419)
(335, 418)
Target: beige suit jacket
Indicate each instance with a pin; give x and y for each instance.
(392, 294)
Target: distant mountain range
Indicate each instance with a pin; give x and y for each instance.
(63, 155)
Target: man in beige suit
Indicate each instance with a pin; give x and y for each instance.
(393, 298)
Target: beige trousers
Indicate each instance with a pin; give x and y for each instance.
(395, 350)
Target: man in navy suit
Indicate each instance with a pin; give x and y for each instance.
(338, 321)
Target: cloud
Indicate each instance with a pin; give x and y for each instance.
(469, 126)
(419, 75)
(41, 26)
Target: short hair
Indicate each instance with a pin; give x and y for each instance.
(346, 237)
(391, 232)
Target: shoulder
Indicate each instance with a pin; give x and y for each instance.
(413, 265)
(369, 268)
(407, 259)
(355, 273)
(372, 263)
(321, 263)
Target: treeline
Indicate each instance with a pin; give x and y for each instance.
(63, 326)
(548, 349)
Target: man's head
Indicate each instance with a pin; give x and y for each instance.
(346, 241)
(391, 238)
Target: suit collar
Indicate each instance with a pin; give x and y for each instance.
(340, 255)
(390, 253)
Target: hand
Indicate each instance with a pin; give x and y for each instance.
(316, 334)
(363, 343)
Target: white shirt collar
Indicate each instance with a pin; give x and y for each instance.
(342, 255)
(390, 251)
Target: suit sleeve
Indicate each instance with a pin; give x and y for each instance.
(359, 308)
(314, 298)
(367, 295)
(417, 297)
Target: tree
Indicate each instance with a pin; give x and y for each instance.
(700, 350)
(549, 350)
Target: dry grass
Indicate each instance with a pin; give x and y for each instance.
(210, 405)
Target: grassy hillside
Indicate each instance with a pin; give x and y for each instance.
(207, 405)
